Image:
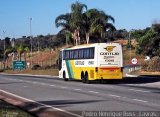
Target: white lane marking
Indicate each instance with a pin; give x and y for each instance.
(29, 81)
(42, 83)
(52, 85)
(25, 86)
(114, 95)
(10, 79)
(139, 100)
(21, 80)
(35, 82)
(138, 90)
(93, 92)
(63, 87)
(58, 109)
(78, 89)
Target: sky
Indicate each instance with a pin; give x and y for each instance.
(15, 14)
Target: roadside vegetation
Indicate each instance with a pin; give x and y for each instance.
(148, 44)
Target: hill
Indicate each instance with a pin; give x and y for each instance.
(48, 57)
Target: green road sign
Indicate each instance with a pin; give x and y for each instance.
(18, 65)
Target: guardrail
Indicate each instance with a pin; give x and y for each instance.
(130, 68)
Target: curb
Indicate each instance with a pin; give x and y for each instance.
(129, 75)
(33, 107)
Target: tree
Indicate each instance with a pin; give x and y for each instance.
(82, 22)
(97, 22)
(148, 43)
(7, 42)
(72, 22)
(26, 50)
(8, 52)
(64, 22)
(77, 20)
(20, 50)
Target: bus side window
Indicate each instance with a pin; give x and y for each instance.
(71, 54)
(91, 53)
(75, 54)
(87, 53)
(81, 54)
(84, 54)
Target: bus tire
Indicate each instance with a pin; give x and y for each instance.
(64, 76)
(83, 77)
(87, 78)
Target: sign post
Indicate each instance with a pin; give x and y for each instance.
(19, 65)
(134, 61)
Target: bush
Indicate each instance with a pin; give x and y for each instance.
(36, 67)
(152, 65)
(145, 65)
(54, 66)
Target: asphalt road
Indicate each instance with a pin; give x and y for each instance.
(78, 98)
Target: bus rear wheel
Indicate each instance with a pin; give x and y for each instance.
(64, 76)
(83, 77)
(87, 78)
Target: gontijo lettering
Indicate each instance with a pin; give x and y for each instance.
(109, 53)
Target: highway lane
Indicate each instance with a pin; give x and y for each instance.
(76, 96)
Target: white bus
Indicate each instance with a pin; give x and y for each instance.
(98, 61)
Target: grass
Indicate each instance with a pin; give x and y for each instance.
(7, 110)
(52, 72)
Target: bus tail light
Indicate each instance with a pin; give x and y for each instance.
(96, 69)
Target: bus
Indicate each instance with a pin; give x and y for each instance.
(88, 62)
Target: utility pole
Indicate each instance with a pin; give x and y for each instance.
(130, 44)
(38, 51)
(30, 19)
(4, 61)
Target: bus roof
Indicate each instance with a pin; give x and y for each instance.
(90, 45)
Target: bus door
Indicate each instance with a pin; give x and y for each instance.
(60, 61)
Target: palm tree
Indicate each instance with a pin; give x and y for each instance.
(7, 52)
(97, 22)
(72, 22)
(83, 21)
(20, 50)
(77, 19)
(63, 21)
